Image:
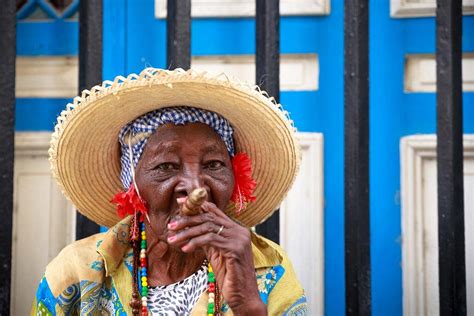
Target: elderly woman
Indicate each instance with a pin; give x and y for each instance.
(177, 132)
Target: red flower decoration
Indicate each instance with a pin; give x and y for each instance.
(244, 183)
(129, 202)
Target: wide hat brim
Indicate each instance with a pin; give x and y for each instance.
(85, 155)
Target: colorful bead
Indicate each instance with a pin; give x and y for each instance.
(211, 279)
(212, 287)
(210, 308)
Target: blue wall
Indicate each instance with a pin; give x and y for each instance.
(134, 38)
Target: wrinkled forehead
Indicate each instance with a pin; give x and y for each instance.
(195, 137)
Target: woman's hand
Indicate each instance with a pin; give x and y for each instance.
(229, 251)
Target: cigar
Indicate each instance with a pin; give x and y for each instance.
(193, 203)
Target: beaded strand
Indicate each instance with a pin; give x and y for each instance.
(213, 300)
(135, 302)
(143, 271)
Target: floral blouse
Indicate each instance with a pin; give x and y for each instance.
(93, 276)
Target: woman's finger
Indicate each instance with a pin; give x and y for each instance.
(189, 221)
(195, 231)
(203, 241)
(210, 207)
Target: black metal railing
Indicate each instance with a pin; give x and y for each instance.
(90, 74)
(452, 264)
(178, 30)
(268, 77)
(356, 157)
(7, 129)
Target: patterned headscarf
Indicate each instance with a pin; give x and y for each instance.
(138, 131)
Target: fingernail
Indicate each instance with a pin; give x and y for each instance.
(172, 225)
(171, 238)
(181, 200)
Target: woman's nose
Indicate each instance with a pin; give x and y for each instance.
(190, 180)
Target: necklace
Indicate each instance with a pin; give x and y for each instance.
(143, 272)
(213, 306)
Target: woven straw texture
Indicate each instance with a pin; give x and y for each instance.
(84, 152)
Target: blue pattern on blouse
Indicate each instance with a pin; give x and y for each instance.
(267, 279)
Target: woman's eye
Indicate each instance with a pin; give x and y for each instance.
(215, 164)
(166, 166)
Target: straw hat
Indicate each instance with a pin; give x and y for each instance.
(85, 156)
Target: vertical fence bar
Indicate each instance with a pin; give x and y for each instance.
(178, 27)
(7, 149)
(268, 77)
(452, 269)
(356, 157)
(90, 74)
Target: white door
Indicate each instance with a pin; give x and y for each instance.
(431, 235)
(420, 224)
(43, 221)
(302, 222)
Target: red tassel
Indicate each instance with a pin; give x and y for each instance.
(129, 202)
(244, 183)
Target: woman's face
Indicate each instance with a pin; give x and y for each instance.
(178, 159)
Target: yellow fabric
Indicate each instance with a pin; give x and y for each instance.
(100, 265)
(288, 289)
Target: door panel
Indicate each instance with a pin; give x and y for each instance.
(43, 221)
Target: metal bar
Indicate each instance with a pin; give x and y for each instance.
(90, 74)
(268, 77)
(178, 26)
(356, 157)
(452, 265)
(7, 149)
